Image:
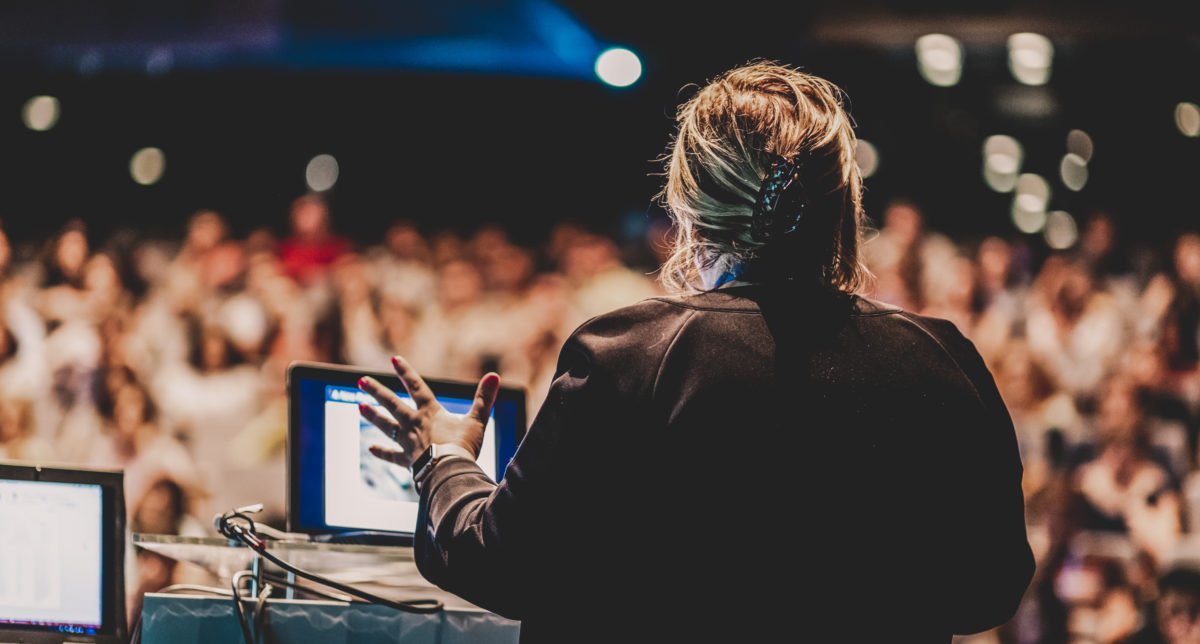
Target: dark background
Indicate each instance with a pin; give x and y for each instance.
(462, 113)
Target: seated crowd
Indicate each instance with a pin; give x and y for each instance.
(167, 359)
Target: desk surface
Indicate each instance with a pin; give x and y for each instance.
(193, 619)
(384, 570)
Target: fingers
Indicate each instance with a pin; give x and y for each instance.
(386, 424)
(485, 398)
(396, 456)
(388, 399)
(420, 392)
(392, 429)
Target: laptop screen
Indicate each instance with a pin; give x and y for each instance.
(335, 484)
(58, 554)
(51, 563)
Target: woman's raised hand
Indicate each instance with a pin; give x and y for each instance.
(415, 429)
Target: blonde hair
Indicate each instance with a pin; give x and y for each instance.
(728, 135)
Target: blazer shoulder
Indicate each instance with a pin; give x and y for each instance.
(634, 318)
(631, 340)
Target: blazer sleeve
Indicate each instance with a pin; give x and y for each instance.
(989, 563)
(511, 547)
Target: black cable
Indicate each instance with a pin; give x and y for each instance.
(246, 534)
(423, 606)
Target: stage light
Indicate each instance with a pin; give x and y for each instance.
(1029, 58)
(1187, 119)
(147, 165)
(90, 62)
(1029, 204)
(867, 157)
(160, 61)
(1061, 232)
(939, 59)
(1074, 171)
(321, 173)
(618, 67)
(1002, 157)
(1080, 143)
(40, 113)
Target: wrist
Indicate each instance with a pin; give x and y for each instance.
(434, 454)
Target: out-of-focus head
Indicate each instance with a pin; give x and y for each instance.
(729, 134)
(1099, 235)
(1120, 412)
(562, 236)
(71, 251)
(1074, 289)
(903, 221)
(487, 242)
(310, 217)
(459, 284)
(5, 248)
(214, 348)
(8, 343)
(995, 260)
(588, 256)
(404, 240)
(447, 246)
(509, 269)
(206, 229)
(1178, 605)
(15, 418)
(1022, 381)
(1187, 258)
(101, 274)
(161, 507)
(131, 409)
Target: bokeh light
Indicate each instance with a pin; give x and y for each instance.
(939, 59)
(147, 165)
(40, 113)
(1060, 232)
(1029, 203)
(867, 157)
(618, 67)
(1030, 57)
(1080, 143)
(1187, 119)
(321, 173)
(1002, 158)
(1074, 171)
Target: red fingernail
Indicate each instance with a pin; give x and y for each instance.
(362, 382)
(395, 361)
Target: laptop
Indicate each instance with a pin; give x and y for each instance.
(337, 490)
(62, 555)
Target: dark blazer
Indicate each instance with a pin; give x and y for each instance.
(760, 463)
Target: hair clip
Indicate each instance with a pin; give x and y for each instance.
(781, 201)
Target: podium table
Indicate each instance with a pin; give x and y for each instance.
(387, 571)
(191, 619)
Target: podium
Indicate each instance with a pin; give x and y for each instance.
(191, 619)
(384, 570)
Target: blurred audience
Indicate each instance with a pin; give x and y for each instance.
(166, 358)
